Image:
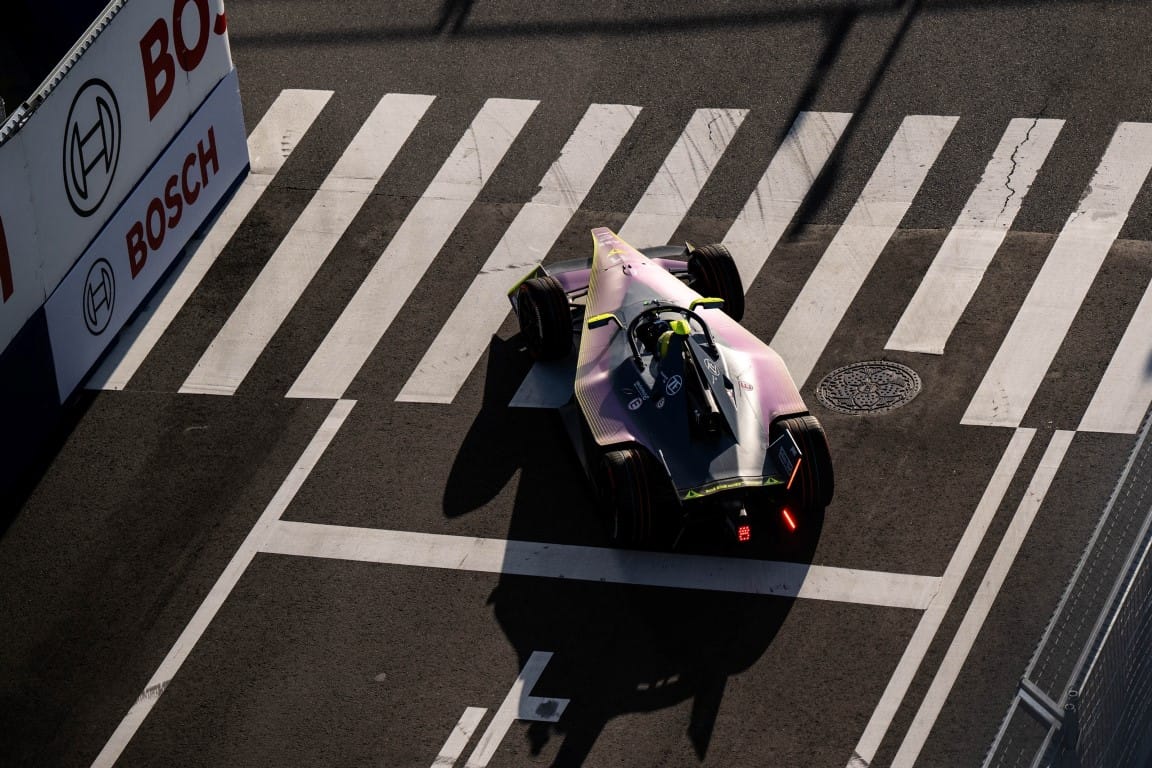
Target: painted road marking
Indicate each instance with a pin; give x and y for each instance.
(271, 142)
(750, 239)
(841, 271)
(1055, 298)
(681, 177)
(782, 189)
(955, 274)
(400, 268)
(990, 585)
(518, 705)
(458, 739)
(224, 585)
(613, 566)
(454, 352)
(1125, 392)
(315, 233)
(925, 633)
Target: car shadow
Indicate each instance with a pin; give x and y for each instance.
(618, 648)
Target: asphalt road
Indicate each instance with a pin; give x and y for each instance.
(318, 659)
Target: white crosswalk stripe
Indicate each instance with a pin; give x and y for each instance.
(681, 176)
(854, 250)
(411, 251)
(280, 284)
(959, 266)
(956, 275)
(1055, 298)
(782, 189)
(462, 340)
(1125, 392)
(269, 146)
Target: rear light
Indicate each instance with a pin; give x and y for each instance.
(744, 533)
(788, 519)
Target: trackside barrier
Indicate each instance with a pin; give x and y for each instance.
(1086, 696)
(72, 153)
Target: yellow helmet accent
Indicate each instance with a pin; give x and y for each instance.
(681, 327)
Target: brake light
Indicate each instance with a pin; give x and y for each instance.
(795, 469)
(788, 519)
(744, 533)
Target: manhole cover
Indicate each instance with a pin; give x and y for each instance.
(872, 387)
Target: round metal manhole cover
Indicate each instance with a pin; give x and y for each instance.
(872, 387)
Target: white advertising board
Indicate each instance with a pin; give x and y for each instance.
(144, 237)
(99, 129)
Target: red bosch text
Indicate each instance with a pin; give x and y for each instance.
(165, 210)
(162, 40)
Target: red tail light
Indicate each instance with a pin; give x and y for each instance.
(744, 533)
(788, 519)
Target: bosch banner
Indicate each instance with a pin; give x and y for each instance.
(147, 233)
(101, 126)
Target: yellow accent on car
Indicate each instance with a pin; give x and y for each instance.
(708, 302)
(598, 320)
(681, 327)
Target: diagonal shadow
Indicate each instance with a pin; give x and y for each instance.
(618, 649)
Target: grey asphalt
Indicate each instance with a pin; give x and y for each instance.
(320, 662)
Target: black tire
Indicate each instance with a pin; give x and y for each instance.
(814, 483)
(626, 486)
(714, 274)
(545, 319)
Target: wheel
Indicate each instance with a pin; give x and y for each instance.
(545, 319)
(714, 274)
(626, 492)
(814, 481)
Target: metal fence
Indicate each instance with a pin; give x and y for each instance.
(1086, 697)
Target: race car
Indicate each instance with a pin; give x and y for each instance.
(678, 412)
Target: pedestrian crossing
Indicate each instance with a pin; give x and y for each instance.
(599, 140)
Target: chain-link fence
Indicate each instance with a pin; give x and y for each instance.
(1086, 696)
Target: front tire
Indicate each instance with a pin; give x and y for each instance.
(714, 274)
(814, 483)
(545, 318)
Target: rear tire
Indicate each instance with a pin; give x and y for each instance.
(814, 483)
(545, 319)
(714, 274)
(626, 492)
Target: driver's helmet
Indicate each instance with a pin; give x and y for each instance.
(650, 332)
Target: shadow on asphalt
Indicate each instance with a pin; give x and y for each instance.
(617, 649)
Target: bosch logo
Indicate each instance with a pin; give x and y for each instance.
(99, 297)
(92, 138)
(673, 385)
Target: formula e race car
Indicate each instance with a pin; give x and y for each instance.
(678, 410)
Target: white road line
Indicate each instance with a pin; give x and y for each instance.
(412, 250)
(681, 176)
(653, 222)
(458, 739)
(518, 705)
(925, 633)
(280, 284)
(1124, 394)
(454, 352)
(558, 561)
(252, 544)
(833, 284)
(990, 585)
(1055, 298)
(959, 266)
(782, 189)
(269, 145)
